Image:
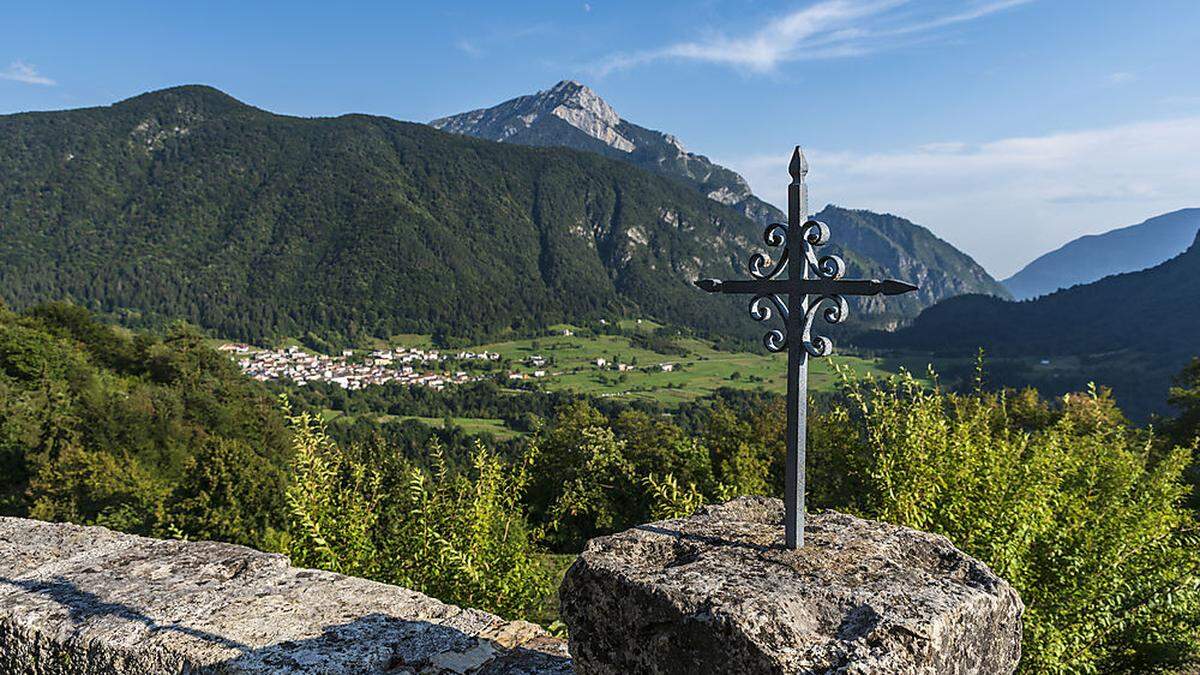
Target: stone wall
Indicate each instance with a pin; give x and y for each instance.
(709, 594)
(86, 600)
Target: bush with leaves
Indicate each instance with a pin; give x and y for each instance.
(595, 475)
(461, 537)
(1079, 512)
(162, 437)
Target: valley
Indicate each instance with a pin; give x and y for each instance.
(635, 364)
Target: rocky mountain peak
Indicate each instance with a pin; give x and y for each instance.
(569, 101)
(583, 109)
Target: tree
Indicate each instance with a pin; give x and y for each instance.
(1184, 429)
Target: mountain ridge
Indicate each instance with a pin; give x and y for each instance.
(186, 203)
(1133, 330)
(1095, 256)
(542, 119)
(873, 244)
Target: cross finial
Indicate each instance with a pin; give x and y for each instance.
(799, 166)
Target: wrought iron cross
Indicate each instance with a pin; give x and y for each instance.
(799, 239)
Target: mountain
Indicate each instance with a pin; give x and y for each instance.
(186, 203)
(1096, 256)
(881, 245)
(1132, 331)
(571, 115)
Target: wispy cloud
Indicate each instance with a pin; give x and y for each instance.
(1008, 200)
(498, 37)
(19, 71)
(467, 47)
(826, 29)
(1121, 78)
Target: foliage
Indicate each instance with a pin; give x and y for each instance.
(669, 500)
(460, 537)
(595, 474)
(660, 341)
(1184, 396)
(157, 437)
(1075, 509)
(1184, 428)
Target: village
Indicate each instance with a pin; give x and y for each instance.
(405, 365)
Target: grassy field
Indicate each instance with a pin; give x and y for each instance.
(470, 425)
(702, 370)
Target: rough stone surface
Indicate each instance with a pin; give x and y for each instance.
(83, 600)
(718, 593)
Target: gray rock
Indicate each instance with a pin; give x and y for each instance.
(717, 593)
(83, 600)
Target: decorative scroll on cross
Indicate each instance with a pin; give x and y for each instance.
(807, 296)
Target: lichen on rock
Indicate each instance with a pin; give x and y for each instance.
(85, 600)
(718, 593)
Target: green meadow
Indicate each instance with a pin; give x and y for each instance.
(698, 371)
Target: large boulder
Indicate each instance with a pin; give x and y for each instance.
(86, 600)
(718, 593)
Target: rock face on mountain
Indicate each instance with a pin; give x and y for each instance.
(1096, 256)
(881, 245)
(571, 115)
(717, 593)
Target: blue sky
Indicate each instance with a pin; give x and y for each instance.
(1006, 126)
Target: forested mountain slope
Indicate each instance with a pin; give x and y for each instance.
(1133, 330)
(186, 203)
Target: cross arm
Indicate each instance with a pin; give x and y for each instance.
(807, 286)
(755, 286)
(854, 287)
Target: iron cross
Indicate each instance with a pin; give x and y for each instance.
(799, 240)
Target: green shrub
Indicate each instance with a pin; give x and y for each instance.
(460, 537)
(1076, 510)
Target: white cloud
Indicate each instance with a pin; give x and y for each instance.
(1007, 201)
(19, 71)
(826, 29)
(1121, 78)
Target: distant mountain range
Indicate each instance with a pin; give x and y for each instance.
(1132, 331)
(1093, 257)
(572, 115)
